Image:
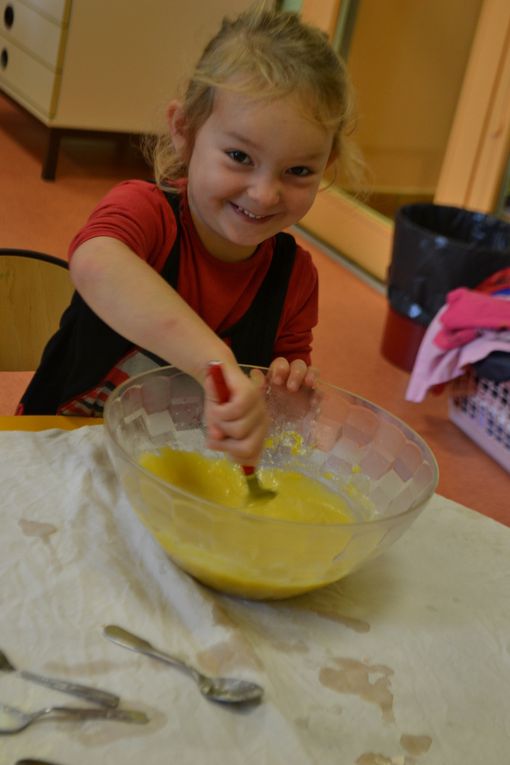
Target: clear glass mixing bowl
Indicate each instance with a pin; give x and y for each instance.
(384, 471)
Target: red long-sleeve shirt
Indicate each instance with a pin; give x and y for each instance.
(138, 214)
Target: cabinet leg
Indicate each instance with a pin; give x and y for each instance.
(50, 160)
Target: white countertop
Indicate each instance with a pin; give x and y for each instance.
(406, 662)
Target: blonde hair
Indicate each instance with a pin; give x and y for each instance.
(266, 54)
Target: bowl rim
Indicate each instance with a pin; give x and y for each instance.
(409, 432)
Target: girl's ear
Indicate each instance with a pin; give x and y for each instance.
(178, 130)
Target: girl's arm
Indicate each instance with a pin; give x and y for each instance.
(135, 301)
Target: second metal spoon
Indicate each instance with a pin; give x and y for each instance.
(32, 761)
(14, 720)
(94, 695)
(225, 689)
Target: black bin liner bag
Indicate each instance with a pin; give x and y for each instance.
(437, 248)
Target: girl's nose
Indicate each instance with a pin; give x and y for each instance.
(265, 191)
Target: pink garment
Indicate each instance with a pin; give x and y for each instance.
(435, 365)
(466, 313)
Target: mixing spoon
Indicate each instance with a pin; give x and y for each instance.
(14, 720)
(257, 492)
(225, 689)
(94, 695)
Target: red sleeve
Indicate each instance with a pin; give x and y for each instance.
(300, 313)
(137, 214)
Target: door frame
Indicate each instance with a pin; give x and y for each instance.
(476, 156)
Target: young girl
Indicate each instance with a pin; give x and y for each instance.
(192, 268)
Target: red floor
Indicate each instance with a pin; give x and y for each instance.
(45, 215)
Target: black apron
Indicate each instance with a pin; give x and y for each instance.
(84, 349)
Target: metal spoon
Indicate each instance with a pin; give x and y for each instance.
(13, 720)
(257, 492)
(94, 695)
(225, 689)
(32, 761)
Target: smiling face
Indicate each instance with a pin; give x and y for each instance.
(254, 169)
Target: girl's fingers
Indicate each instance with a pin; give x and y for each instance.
(279, 371)
(243, 452)
(239, 425)
(312, 377)
(293, 375)
(297, 374)
(254, 419)
(242, 439)
(214, 433)
(258, 378)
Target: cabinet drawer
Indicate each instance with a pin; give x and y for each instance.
(26, 79)
(57, 10)
(35, 34)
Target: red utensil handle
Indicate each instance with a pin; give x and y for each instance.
(220, 384)
(223, 393)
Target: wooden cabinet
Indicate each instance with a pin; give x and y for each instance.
(102, 66)
(31, 48)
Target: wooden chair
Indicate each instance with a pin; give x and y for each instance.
(35, 288)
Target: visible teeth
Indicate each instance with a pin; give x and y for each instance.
(249, 214)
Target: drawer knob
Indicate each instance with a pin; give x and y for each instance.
(9, 16)
(4, 58)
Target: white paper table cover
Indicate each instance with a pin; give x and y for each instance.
(405, 662)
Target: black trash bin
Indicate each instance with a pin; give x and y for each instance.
(436, 248)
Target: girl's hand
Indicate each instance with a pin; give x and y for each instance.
(294, 374)
(238, 426)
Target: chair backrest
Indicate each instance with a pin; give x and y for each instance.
(35, 288)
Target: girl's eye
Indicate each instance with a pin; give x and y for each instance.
(300, 171)
(239, 156)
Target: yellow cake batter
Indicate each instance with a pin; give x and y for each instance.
(232, 551)
(298, 498)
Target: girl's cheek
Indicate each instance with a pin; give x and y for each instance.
(305, 198)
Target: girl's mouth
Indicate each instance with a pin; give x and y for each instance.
(249, 216)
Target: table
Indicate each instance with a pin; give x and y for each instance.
(406, 662)
(46, 422)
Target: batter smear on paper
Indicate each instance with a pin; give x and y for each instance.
(415, 745)
(371, 758)
(354, 677)
(36, 529)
